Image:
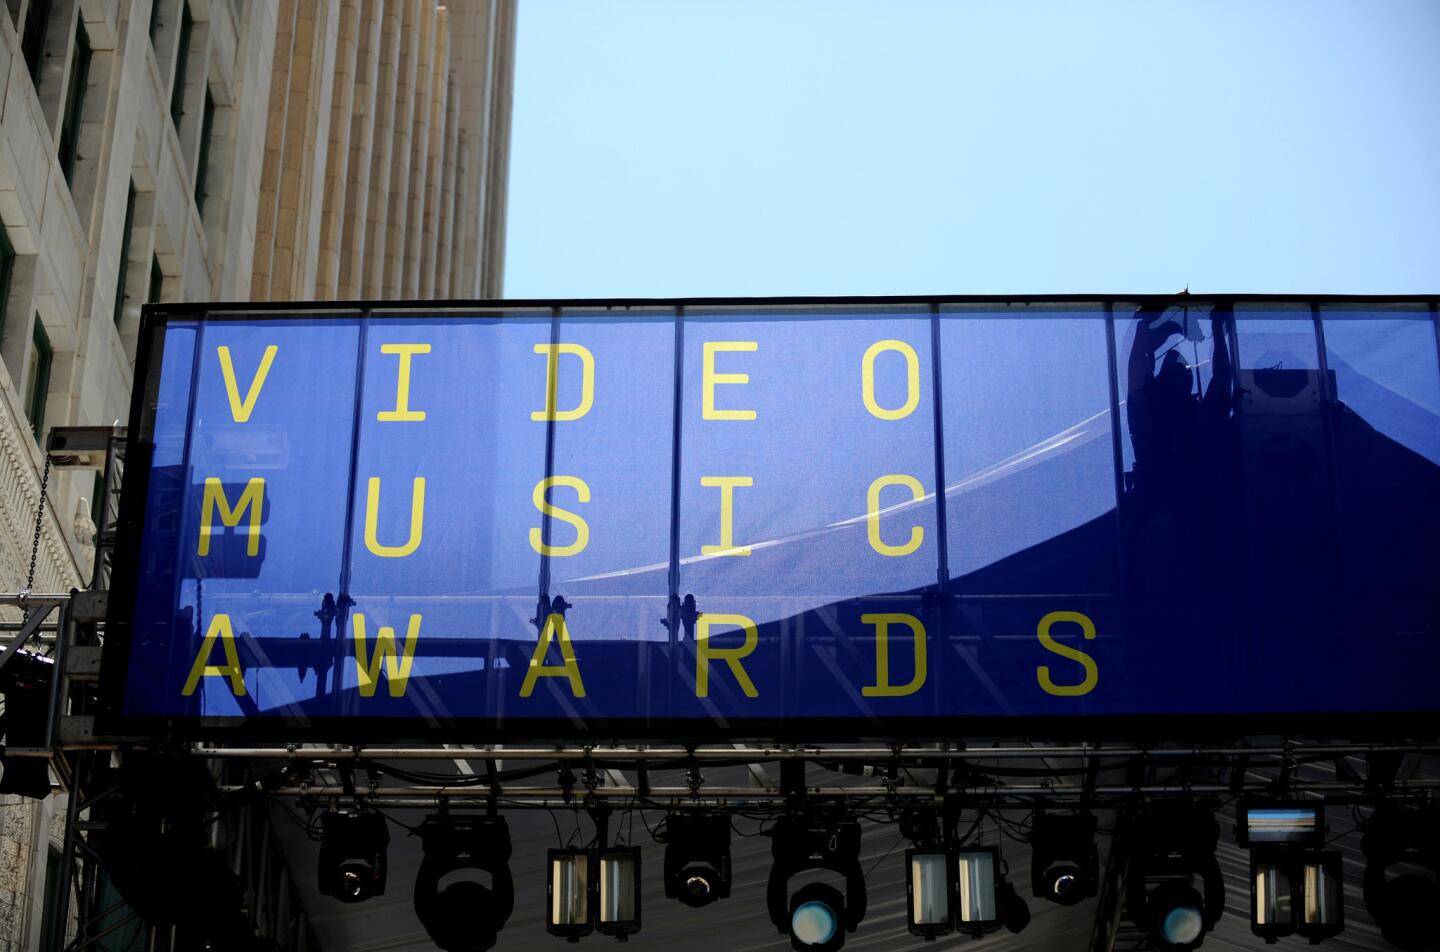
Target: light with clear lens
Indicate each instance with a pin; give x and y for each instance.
(977, 887)
(929, 897)
(1272, 895)
(813, 923)
(697, 887)
(1182, 925)
(617, 887)
(570, 893)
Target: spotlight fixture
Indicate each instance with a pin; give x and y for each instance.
(985, 900)
(1065, 865)
(619, 889)
(1276, 834)
(26, 687)
(1322, 903)
(352, 856)
(1172, 852)
(472, 856)
(569, 879)
(931, 890)
(817, 915)
(697, 857)
(1404, 905)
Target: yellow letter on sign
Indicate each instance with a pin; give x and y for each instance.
(1092, 671)
(582, 528)
(883, 687)
(367, 666)
(220, 630)
(402, 412)
(253, 498)
(711, 379)
(872, 514)
(912, 379)
(726, 485)
(731, 656)
(239, 409)
(372, 520)
(570, 669)
(552, 381)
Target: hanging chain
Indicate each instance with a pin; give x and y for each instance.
(39, 525)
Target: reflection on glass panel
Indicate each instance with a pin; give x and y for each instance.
(1028, 455)
(1388, 373)
(1385, 429)
(259, 575)
(448, 459)
(807, 456)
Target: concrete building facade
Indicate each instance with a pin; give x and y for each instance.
(191, 150)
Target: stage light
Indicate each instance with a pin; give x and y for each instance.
(1065, 865)
(1403, 906)
(569, 893)
(817, 916)
(26, 687)
(1322, 904)
(1172, 852)
(619, 892)
(1272, 894)
(931, 891)
(1275, 825)
(352, 856)
(697, 857)
(976, 910)
(472, 856)
(815, 912)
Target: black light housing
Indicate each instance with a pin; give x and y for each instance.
(1403, 906)
(1172, 850)
(352, 856)
(570, 876)
(697, 857)
(618, 889)
(1277, 833)
(1273, 905)
(1065, 864)
(803, 843)
(467, 914)
(26, 685)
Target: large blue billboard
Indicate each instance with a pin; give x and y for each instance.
(779, 518)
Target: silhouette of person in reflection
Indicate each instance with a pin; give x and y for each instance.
(1178, 492)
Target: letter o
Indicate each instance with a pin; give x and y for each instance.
(912, 379)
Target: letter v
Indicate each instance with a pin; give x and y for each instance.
(241, 411)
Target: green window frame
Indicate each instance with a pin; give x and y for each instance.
(74, 103)
(37, 388)
(207, 125)
(7, 272)
(157, 281)
(182, 59)
(124, 255)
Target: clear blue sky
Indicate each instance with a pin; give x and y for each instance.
(663, 147)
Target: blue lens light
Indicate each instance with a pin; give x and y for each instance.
(1182, 925)
(813, 923)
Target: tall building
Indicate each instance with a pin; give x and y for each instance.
(191, 150)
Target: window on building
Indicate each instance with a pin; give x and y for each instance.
(155, 21)
(207, 124)
(182, 57)
(51, 916)
(32, 40)
(124, 255)
(7, 270)
(74, 103)
(37, 379)
(157, 281)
